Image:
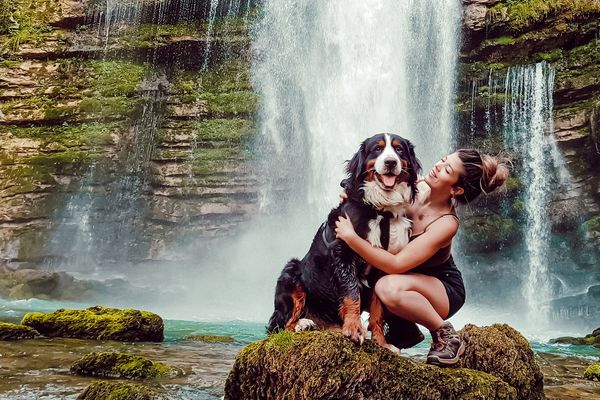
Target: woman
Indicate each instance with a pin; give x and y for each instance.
(424, 285)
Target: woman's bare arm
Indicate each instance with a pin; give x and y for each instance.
(421, 249)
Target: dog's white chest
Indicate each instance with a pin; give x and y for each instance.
(399, 232)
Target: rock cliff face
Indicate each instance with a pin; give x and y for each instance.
(498, 36)
(110, 117)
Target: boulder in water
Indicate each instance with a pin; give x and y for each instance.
(118, 365)
(120, 391)
(16, 332)
(319, 365)
(502, 351)
(99, 323)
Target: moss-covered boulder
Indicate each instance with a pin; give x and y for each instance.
(119, 391)
(592, 372)
(503, 352)
(118, 365)
(210, 338)
(16, 332)
(326, 365)
(98, 323)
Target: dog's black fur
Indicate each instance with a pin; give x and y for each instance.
(331, 272)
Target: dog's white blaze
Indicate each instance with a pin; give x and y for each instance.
(379, 198)
(388, 153)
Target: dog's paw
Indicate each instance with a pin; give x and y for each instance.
(305, 324)
(355, 332)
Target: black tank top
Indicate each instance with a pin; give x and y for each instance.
(442, 255)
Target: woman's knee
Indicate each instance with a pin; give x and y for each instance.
(389, 287)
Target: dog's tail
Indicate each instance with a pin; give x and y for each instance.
(288, 282)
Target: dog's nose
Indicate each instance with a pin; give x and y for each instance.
(391, 163)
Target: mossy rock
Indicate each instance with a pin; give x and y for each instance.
(16, 332)
(503, 352)
(98, 323)
(592, 372)
(210, 338)
(118, 365)
(326, 365)
(119, 391)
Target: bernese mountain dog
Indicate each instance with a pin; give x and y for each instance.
(331, 285)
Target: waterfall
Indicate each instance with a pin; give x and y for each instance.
(332, 73)
(527, 118)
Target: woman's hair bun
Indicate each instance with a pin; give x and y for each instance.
(495, 172)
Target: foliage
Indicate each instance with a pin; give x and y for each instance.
(521, 15)
(118, 391)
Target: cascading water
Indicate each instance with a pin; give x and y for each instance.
(331, 74)
(527, 119)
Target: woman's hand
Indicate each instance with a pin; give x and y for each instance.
(344, 229)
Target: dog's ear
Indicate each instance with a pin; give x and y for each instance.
(414, 167)
(355, 168)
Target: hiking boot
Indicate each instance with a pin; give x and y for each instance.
(447, 346)
(402, 333)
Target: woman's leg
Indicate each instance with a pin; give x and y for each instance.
(423, 299)
(415, 297)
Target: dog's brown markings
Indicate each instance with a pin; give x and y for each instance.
(381, 143)
(298, 298)
(350, 314)
(376, 320)
(395, 142)
(370, 168)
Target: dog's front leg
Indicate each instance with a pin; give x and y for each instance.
(346, 274)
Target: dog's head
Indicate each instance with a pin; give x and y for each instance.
(384, 171)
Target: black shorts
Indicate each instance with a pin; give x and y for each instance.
(452, 280)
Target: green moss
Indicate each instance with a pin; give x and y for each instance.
(89, 134)
(119, 365)
(210, 338)
(521, 15)
(592, 372)
(592, 225)
(117, 77)
(550, 56)
(98, 323)
(118, 391)
(231, 103)
(504, 40)
(210, 160)
(16, 332)
(233, 130)
(31, 22)
(108, 107)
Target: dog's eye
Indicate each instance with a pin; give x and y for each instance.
(377, 148)
(399, 149)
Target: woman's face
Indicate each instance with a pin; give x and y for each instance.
(445, 173)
